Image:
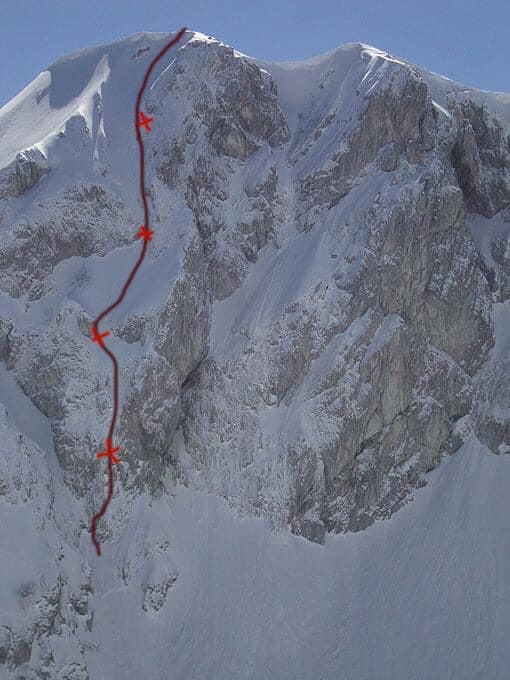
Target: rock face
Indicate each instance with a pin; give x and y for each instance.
(481, 158)
(23, 173)
(313, 329)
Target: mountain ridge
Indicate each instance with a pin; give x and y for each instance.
(318, 330)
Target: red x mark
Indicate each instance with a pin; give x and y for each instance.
(145, 122)
(109, 453)
(98, 337)
(145, 233)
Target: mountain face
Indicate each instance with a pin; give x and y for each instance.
(320, 321)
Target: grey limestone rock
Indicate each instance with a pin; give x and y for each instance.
(55, 233)
(25, 171)
(481, 158)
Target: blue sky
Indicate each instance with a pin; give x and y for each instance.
(466, 40)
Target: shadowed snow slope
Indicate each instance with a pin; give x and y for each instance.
(422, 595)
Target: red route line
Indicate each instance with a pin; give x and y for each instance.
(130, 278)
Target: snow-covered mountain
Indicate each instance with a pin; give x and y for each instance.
(321, 322)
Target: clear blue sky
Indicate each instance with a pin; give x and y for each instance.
(467, 40)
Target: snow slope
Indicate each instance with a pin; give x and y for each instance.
(424, 594)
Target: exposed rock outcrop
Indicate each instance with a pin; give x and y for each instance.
(314, 328)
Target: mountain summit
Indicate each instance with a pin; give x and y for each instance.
(319, 324)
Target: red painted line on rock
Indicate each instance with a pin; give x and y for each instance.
(145, 233)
